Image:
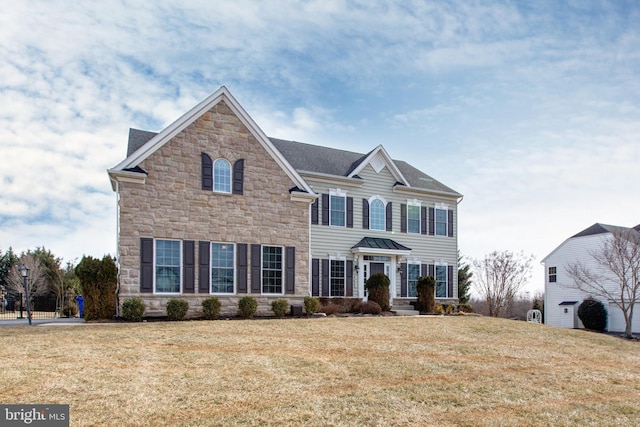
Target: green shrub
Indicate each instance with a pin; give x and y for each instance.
(177, 309)
(593, 314)
(98, 280)
(378, 287)
(70, 309)
(247, 307)
(280, 307)
(311, 305)
(368, 307)
(426, 294)
(211, 308)
(133, 310)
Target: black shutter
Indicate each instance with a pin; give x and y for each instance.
(241, 265)
(424, 270)
(290, 270)
(314, 211)
(349, 273)
(256, 263)
(450, 223)
(188, 266)
(432, 221)
(207, 172)
(432, 272)
(203, 270)
(238, 177)
(423, 220)
(389, 217)
(450, 281)
(325, 209)
(403, 218)
(315, 277)
(365, 214)
(403, 280)
(146, 265)
(349, 212)
(325, 277)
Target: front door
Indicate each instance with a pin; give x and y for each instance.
(376, 267)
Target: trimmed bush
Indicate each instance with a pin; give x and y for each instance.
(247, 307)
(177, 309)
(133, 310)
(593, 314)
(426, 294)
(465, 308)
(280, 307)
(211, 308)
(368, 307)
(98, 280)
(378, 287)
(311, 305)
(332, 308)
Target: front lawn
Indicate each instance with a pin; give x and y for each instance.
(331, 371)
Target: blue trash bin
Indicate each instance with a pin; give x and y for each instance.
(80, 301)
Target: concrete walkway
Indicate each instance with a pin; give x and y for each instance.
(40, 322)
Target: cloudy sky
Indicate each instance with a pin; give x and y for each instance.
(529, 109)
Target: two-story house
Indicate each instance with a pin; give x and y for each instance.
(562, 299)
(212, 206)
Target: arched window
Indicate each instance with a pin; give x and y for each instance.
(377, 215)
(222, 176)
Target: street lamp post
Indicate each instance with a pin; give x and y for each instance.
(24, 272)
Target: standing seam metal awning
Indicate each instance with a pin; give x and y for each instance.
(380, 245)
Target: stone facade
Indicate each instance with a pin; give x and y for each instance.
(172, 205)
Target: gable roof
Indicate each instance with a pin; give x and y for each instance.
(331, 161)
(138, 150)
(593, 230)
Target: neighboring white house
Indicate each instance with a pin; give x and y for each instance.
(560, 300)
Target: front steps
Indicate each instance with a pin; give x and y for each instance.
(405, 311)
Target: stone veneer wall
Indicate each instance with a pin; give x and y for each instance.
(172, 205)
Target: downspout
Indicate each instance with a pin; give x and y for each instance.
(118, 247)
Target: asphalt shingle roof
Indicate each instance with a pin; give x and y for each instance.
(314, 158)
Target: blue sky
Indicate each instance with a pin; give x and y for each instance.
(529, 109)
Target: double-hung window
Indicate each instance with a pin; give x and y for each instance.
(377, 214)
(552, 275)
(441, 222)
(413, 218)
(167, 266)
(441, 281)
(222, 268)
(272, 270)
(337, 209)
(413, 273)
(337, 278)
(222, 176)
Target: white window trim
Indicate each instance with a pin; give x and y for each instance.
(417, 203)
(441, 207)
(344, 284)
(446, 278)
(155, 255)
(211, 267)
(282, 269)
(384, 212)
(419, 264)
(213, 170)
(338, 193)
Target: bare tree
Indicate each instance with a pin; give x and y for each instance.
(616, 273)
(499, 277)
(37, 279)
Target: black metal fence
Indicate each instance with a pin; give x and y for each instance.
(14, 307)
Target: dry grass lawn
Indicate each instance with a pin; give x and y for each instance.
(335, 371)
